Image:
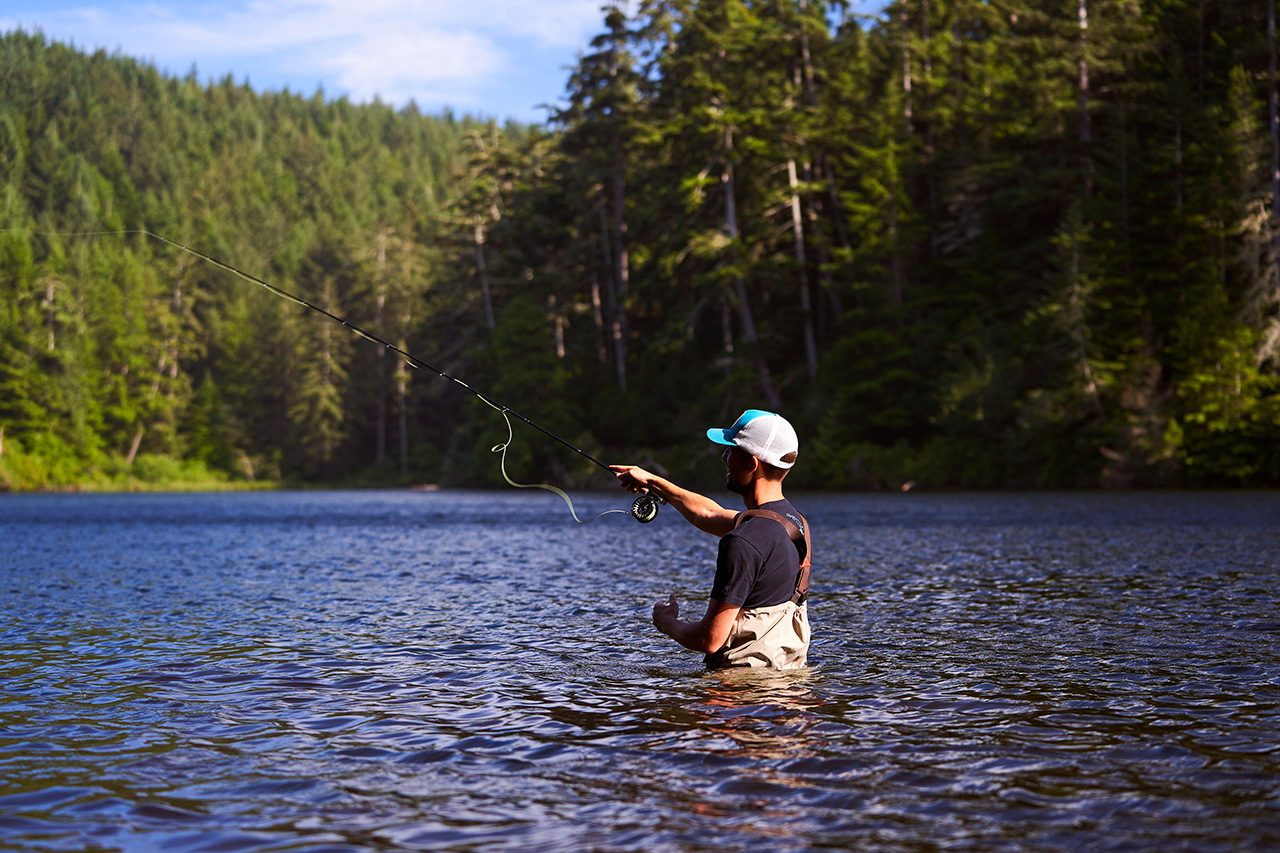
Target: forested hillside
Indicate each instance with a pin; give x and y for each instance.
(976, 243)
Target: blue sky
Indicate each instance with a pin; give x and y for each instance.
(499, 58)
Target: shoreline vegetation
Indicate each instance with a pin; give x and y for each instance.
(22, 474)
(981, 244)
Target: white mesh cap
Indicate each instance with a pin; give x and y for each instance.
(764, 435)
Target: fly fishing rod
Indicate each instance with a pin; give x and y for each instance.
(644, 509)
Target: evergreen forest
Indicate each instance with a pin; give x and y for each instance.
(960, 244)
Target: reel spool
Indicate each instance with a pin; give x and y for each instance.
(645, 508)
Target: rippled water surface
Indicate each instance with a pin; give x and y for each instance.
(466, 671)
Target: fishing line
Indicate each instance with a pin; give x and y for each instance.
(644, 509)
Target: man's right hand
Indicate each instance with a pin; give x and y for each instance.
(633, 478)
(666, 614)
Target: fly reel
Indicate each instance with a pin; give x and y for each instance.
(645, 508)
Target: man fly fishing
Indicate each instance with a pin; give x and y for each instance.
(756, 613)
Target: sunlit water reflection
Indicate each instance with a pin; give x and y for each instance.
(473, 671)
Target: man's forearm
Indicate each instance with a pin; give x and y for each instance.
(706, 635)
(692, 635)
(701, 511)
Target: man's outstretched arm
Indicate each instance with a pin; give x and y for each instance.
(701, 511)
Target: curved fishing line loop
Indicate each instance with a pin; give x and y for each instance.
(408, 358)
(501, 450)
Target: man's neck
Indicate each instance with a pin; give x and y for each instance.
(761, 493)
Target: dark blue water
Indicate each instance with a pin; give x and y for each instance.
(466, 671)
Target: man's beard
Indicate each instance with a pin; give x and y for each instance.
(736, 488)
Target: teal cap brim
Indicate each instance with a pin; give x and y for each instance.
(720, 436)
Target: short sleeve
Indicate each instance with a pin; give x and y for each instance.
(737, 568)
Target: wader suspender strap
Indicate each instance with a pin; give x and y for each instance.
(798, 536)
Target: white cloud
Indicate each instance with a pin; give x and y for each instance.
(433, 51)
(420, 63)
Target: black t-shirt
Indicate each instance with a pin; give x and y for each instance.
(758, 563)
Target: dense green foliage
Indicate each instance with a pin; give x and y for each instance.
(972, 243)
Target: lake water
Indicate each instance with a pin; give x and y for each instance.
(474, 671)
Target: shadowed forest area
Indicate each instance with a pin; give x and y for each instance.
(963, 244)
